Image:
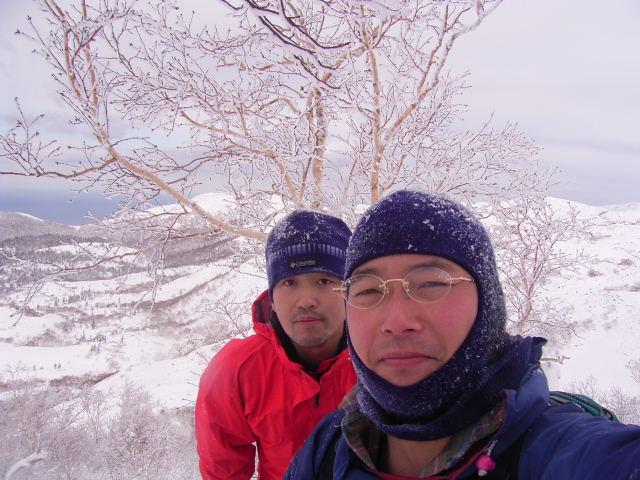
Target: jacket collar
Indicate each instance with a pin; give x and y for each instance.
(524, 406)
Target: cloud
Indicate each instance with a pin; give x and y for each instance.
(595, 174)
(569, 74)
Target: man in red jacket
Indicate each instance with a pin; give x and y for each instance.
(269, 390)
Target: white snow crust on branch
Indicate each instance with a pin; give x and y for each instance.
(26, 462)
(323, 104)
(281, 104)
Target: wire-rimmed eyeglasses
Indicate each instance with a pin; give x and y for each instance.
(423, 285)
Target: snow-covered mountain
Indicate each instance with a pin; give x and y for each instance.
(98, 374)
(15, 225)
(117, 328)
(108, 327)
(114, 318)
(604, 298)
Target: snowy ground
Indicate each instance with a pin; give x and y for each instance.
(92, 341)
(605, 294)
(91, 338)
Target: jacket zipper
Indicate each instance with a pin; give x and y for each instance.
(455, 474)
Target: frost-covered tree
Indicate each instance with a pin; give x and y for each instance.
(529, 236)
(53, 433)
(291, 104)
(626, 406)
(280, 104)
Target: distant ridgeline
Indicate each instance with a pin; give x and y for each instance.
(48, 245)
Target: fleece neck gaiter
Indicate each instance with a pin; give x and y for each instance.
(449, 400)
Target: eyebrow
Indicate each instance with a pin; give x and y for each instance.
(436, 262)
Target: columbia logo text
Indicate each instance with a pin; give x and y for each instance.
(302, 263)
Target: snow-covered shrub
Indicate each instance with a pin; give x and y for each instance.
(76, 434)
(141, 444)
(624, 405)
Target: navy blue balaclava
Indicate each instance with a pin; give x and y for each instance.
(306, 242)
(489, 360)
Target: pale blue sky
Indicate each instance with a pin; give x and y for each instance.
(568, 73)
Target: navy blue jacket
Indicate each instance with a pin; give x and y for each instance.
(560, 442)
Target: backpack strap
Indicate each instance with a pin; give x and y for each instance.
(507, 464)
(325, 472)
(587, 404)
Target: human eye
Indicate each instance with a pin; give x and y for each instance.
(288, 282)
(428, 279)
(366, 292)
(428, 284)
(432, 283)
(326, 282)
(365, 288)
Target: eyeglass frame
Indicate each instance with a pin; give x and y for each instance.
(344, 286)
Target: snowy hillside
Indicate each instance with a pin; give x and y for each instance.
(74, 332)
(16, 224)
(605, 296)
(105, 334)
(78, 325)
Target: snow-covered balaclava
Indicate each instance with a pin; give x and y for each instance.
(489, 360)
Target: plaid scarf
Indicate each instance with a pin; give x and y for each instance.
(368, 443)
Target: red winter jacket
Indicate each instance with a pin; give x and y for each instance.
(252, 393)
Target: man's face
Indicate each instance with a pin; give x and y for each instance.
(404, 341)
(310, 312)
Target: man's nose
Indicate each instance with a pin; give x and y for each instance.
(308, 298)
(400, 314)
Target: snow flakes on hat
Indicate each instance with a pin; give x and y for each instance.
(306, 242)
(409, 222)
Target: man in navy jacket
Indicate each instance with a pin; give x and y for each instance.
(443, 391)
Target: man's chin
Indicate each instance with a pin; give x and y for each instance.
(310, 341)
(408, 372)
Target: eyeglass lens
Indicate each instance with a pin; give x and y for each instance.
(424, 285)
